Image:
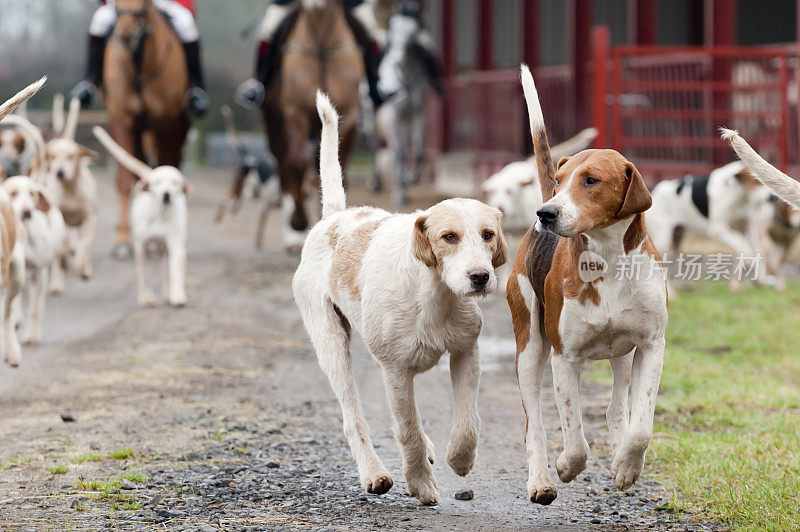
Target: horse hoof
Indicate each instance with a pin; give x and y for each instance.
(122, 251)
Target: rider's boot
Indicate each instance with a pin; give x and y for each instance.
(85, 90)
(252, 92)
(197, 99)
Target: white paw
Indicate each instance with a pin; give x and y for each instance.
(377, 483)
(461, 458)
(628, 464)
(541, 489)
(146, 299)
(422, 485)
(178, 301)
(570, 464)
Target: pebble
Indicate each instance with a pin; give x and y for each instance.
(127, 484)
(94, 446)
(66, 417)
(597, 509)
(273, 465)
(464, 495)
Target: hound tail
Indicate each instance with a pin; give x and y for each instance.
(20, 97)
(330, 170)
(34, 136)
(541, 148)
(783, 185)
(141, 170)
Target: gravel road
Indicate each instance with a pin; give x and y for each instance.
(231, 424)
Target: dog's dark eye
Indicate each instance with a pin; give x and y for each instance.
(487, 236)
(450, 237)
(590, 181)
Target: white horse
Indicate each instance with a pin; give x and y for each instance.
(408, 68)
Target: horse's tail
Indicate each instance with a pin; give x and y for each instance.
(541, 148)
(330, 171)
(141, 170)
(783, 185)
(20, 97)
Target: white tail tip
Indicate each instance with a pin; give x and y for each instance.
(531, 98)
(728, 134)
(326, 111)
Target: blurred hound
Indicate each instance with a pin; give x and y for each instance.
(255, 171)
(158, 222)
(515, 188)
(12, 254)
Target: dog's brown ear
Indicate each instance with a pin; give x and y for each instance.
(500, 256)
(187, 188)
(637, 197)
(421, 245)
(92, 155)
(562, 161)
(144, 185)
(42, 203)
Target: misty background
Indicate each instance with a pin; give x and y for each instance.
(39, 37)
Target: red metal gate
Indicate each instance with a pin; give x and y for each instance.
(667, 105)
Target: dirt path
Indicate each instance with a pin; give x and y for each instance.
(232, 424)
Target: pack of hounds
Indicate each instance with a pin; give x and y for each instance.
(408, 283)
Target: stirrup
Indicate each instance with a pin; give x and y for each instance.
(251, 94)
(197, 100)
(84, 91)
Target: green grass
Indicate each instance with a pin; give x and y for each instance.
(136, 477)
(121, 454)
(728, 415)
(88, 457)
(59, 469)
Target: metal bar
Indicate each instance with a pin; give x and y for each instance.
(601, 50)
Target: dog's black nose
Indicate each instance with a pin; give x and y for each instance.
(166, 198)
(547, 214)
(479, 278)
(60, 174)
(26, 214)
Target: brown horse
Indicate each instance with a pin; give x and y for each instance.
(320, 52)
(145, 82)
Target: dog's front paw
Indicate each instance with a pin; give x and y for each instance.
(30, 339)
(628, 463)
(146, 299)
(178, 302)
(570, 464)
(378, 483)
(423, 486)
(541, 489)
(461, 458)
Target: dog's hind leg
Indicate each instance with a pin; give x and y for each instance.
(533, 352)
(330, 333)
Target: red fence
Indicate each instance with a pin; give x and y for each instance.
(660, 106)
(668, 105)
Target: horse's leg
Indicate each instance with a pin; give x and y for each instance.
(292, 171)
(169, 139)
(417, 132)
(122, 130)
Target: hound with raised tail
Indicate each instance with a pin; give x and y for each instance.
(158, 222)
(567, 293)
(408, 284)
(12, 252)
(781, 184)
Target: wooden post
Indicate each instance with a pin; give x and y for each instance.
(646, 16)
(448, 67)
(720, 30)
(581, 54)
(601, 53)
(485, 41)
(530, 32)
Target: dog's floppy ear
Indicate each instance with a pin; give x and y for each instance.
(500, 256)
(421, 245)
(92, 155)
(144, 185)
(637, 197)
(42, 203)
(562, 161)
